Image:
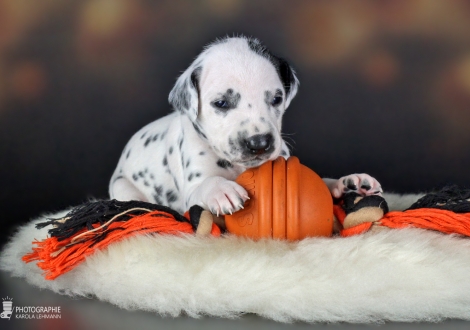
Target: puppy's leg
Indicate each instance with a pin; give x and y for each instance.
(123, 190)
(362, 184)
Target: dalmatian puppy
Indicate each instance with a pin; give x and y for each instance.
(229, 105)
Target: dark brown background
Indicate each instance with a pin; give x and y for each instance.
(385, 87)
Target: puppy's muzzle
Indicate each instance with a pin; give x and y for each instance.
(258, 144)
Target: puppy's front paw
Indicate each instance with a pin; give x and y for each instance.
(362, 184)
(220, 196)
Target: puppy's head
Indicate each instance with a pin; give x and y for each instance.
(235, 94)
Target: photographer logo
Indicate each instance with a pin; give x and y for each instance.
(7, 308)
(29, 312)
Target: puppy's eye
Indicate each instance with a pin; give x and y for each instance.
(221, 104)
(276, 100)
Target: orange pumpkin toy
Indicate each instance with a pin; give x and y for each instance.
(287, 201)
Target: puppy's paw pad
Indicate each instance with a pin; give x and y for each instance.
(363, 184)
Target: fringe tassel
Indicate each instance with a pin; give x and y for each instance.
(444, 221)
(94, 226)
(87, 215)
(60, 256)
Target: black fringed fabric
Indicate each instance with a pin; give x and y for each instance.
(83, 216)
(451, 198)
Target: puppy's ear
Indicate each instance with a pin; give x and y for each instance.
(184, 96)
(289, 79)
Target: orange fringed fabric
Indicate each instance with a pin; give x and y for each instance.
(444, 221)
(58, 257)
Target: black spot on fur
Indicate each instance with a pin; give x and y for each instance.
(199, 131)
(194, 175)
(256, 46)
(187, 163)
(162, 136)
(202, 153)
(171, 196)
(146, 183)
(224, 163)
(180, 143)
(170, 151)
(249, 105)
(143, 135)
(149, 139)
(157, 199)
(141, 174)
(165, 161)
(229, 100)
(158, 190)
(256, 129)
(135, 177)
(176, 183)
(283, 153)
(128, 153)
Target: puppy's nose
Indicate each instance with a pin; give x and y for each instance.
(259, 144)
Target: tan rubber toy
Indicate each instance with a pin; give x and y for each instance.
(287, 201)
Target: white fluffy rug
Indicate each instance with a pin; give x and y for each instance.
(396, 275)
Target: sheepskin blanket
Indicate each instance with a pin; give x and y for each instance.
(394, 275)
